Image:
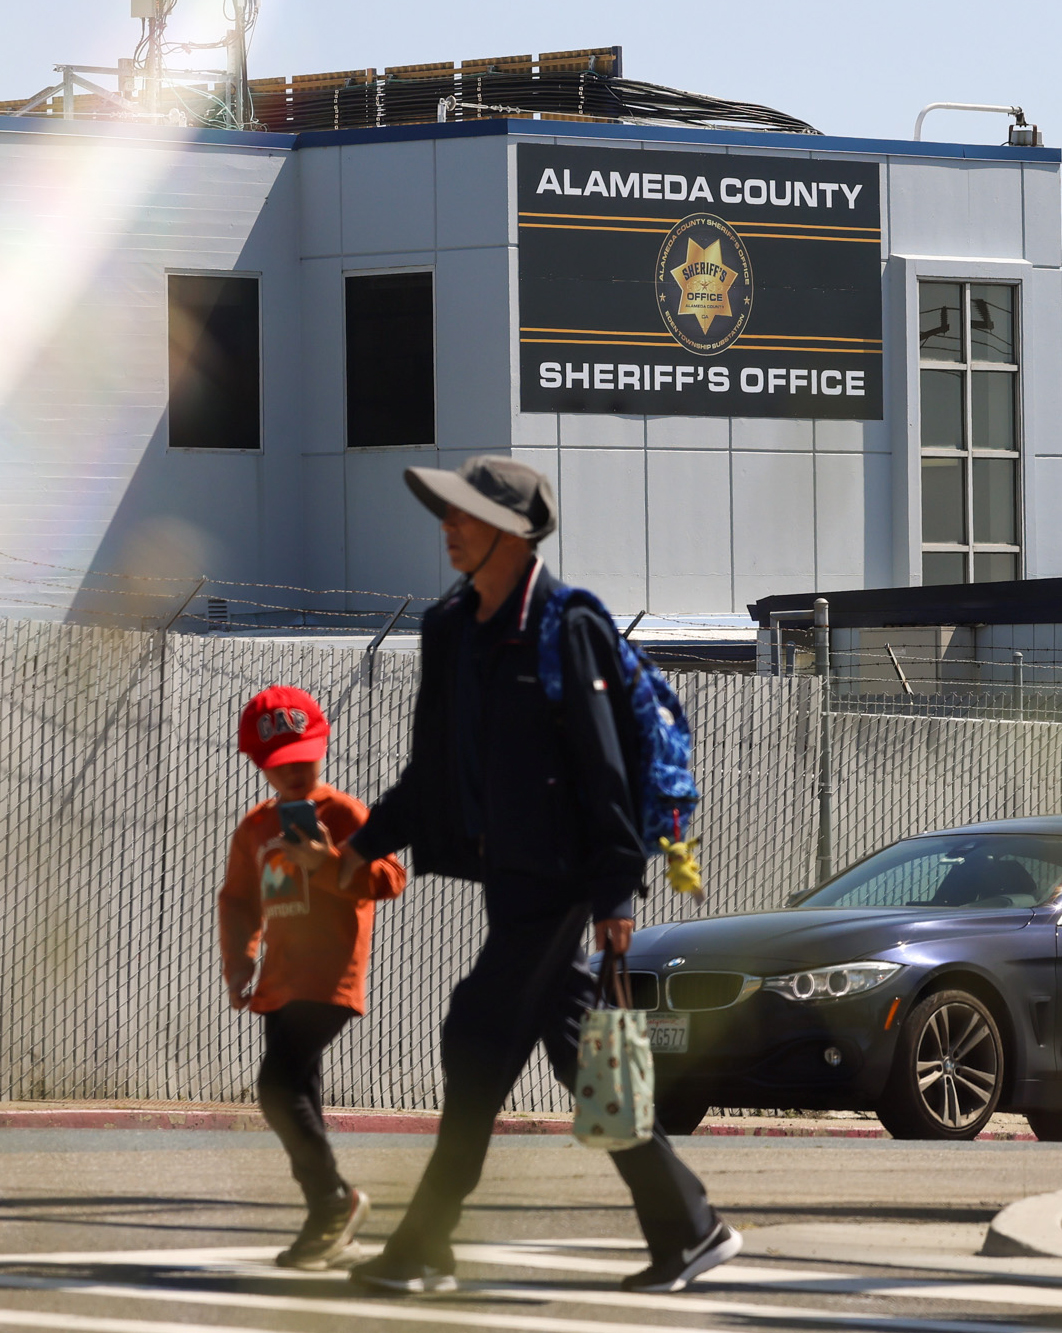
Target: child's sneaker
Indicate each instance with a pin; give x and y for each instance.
(327, 1236)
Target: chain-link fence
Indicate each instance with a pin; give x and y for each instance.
(120, 786)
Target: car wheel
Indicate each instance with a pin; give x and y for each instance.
(1046, 1125)
(947, 1074)
(680, 1111)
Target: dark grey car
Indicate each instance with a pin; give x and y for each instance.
(921, 984)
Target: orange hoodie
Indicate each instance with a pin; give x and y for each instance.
(316, 939)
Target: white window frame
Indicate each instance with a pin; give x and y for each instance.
(902, 273)
(967, 367)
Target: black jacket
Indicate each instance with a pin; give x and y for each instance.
(557, 805)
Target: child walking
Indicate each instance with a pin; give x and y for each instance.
(281, 902)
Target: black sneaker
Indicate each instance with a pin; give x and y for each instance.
(402, 1276)
(677, 1271)
(327, 1236)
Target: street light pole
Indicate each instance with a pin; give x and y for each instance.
(238, 64)
(153, 64)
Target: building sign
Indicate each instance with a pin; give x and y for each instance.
(698, 284)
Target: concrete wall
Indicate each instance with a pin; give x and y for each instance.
(91, 221)
(433, 204)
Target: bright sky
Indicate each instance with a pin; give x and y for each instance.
(847, 66)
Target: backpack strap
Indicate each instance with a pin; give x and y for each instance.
(549, 634)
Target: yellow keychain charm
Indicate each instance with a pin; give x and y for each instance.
(683, 872)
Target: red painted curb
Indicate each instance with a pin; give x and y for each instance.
(423, 1122)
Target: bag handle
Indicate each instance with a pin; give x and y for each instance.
(614, 974)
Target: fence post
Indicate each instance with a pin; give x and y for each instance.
(370, 654)
(822, 670)
(1019, 686)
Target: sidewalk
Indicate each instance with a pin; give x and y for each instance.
(228, 1115)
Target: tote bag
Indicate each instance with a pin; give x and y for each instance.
(614, 1082)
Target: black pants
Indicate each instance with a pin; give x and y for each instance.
(289, 1090)
(530, 982)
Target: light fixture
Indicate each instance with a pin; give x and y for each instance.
(1020, 135)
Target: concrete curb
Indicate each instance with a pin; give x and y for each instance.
(248, 1118)
(1030, 1226)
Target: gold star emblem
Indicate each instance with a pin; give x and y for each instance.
(705, 281)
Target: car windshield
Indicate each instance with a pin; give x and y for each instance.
(982, 870)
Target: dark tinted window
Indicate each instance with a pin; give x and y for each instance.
(952, 870)
(390, 360)
(214, 362)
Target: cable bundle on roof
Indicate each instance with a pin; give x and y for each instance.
(565, 85)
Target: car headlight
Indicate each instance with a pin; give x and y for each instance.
(832, 983)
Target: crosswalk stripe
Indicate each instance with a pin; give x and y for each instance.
(170, 1257)
(764, 1312)
(559, 1255)
(437, 1315)
(440, 1316)
(76, 1323)
(765, 1278)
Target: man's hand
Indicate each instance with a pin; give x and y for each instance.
(239, 995)
(618, 929)
(349, 862)
(311, 853)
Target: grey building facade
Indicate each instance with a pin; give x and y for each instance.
(930, 452)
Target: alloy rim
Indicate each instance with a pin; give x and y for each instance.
(957, 1066)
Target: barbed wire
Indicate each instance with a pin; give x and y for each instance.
(141, 595)
(208, 579)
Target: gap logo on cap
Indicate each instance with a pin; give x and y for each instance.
(282, 720)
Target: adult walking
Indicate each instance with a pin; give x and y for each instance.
(536, 803)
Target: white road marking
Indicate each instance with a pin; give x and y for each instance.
(547, 1255)
(441, 1315)
(76, 1323)
(170, 1258)
(764, 1278)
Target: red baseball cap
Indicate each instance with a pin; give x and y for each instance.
(283, 725)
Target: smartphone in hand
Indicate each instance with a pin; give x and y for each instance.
(297, 815)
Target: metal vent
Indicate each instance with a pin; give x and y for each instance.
(217, 611)
(704, 990)
(645, 990)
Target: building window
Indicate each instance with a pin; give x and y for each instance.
(970, 432)
(215, 374)
(390, 359)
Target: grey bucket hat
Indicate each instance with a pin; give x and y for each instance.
(508, 495)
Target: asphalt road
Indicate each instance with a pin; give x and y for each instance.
(174, 1232)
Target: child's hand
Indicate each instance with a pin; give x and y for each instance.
(311, 853)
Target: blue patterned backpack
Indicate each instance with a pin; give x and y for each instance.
(666, 789)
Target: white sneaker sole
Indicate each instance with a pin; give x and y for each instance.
(417, 1286)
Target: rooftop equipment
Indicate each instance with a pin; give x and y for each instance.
(1020, 135)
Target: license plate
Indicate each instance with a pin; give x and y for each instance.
(669, 1032)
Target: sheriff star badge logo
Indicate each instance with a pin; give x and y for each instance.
(704, 284)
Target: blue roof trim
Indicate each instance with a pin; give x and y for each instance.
(469, 129)
(165, 135)
(162, 135)
(802, 143)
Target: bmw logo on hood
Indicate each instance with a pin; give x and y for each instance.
(675, 962)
